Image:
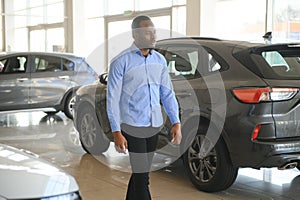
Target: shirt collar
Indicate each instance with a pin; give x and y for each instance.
(135, 49)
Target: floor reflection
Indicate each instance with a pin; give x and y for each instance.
(40, 132)
(54, 138)
(51, 119)
(25, 119)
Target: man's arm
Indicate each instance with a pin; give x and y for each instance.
(171, 106)
(114, 88)
(176, 135)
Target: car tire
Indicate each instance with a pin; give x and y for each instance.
(212, 173)
(92, 137)
(69, 104)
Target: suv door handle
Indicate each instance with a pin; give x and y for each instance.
(183, 94)
(22, 79)
(64, 77)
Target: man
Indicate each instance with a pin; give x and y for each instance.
(138, 81)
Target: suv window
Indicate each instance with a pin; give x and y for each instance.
(282, 63)
(182, 61)
(15, 64)
(52, 64)
(189, 61)
(82, 66)
(213, 65)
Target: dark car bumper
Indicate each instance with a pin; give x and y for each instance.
(281, 152)
(269, 154)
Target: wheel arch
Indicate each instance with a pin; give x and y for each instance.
(225, 166)
(67, 95)
(204, 121)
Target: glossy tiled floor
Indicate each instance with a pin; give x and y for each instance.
(54, 139)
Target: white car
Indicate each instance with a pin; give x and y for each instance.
(25, 176)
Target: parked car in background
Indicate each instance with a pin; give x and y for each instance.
(252, 87)
(23, 175)
(39, 80)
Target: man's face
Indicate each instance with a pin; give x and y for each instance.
(145, 36)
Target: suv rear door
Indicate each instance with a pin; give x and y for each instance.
(280, 67)
(50, 77)
(285, 62)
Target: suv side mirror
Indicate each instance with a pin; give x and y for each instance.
(103, 78)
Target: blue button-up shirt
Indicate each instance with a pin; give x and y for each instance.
(136, 86)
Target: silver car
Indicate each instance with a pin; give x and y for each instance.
(39, 80)
(25, 176)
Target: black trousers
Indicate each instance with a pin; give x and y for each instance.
(141, 151)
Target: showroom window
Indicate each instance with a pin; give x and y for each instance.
(150, 5)
(236, 19)
(32, 25)
(91, 17)
(286, 20)
(2, 28)
(233, 19)
(123, 6)
(97, 24)
(49, 23)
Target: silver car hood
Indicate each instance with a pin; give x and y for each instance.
(25, 176)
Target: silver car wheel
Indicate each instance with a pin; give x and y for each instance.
(71, 104)
(88, 130)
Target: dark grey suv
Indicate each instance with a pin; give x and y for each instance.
(239, 106)
(33, 80)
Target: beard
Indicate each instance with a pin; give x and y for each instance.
(150, 49)
(145, 44)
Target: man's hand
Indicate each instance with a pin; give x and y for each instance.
(120, 142)
(176, 134)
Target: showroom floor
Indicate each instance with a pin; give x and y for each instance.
(54, 138)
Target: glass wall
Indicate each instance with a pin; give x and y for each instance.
(92, 15)
(286, 20)
(250, 19)
(36, 25)
(1, 28)
(153, 4)
(233, 19)
(94, 21)
(123, 6)
(102, 29)
(29, 23)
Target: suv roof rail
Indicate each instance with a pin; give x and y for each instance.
(193, 37)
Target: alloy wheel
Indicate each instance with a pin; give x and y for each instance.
(88, 130)
(203, 166)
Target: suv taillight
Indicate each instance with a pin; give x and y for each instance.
(256, 95)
